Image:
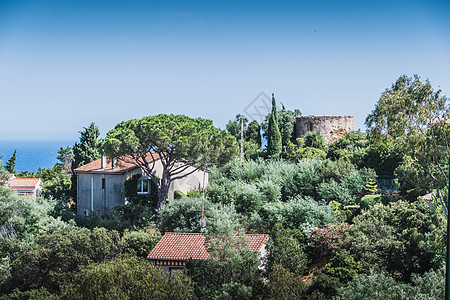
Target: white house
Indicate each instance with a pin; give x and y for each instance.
(31, 187)
(100, 184)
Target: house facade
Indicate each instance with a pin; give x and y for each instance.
(31, 187)
(100, 184)
(175, 248)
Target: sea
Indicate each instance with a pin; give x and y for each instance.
(32, 155)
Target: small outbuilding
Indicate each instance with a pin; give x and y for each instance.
(174, 249)
(31, 187)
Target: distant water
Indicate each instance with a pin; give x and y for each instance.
(32, 155)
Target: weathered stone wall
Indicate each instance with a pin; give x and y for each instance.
(331, 128)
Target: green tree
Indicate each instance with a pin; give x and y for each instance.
(234, 127)
(127, 278)
(4, 175)
(57, 257)
(57, 182)
(273, 136)
(353, 147)
(11, 163)
(314, 140)
(286, 125)
(230, 273)
(253, 133)
(413, 115)
(88, 149)
(178, 141)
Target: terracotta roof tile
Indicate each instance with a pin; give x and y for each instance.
(24, 183)
(124, 164)
(183, 246)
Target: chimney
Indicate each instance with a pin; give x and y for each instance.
(114, 163)
(103, 161)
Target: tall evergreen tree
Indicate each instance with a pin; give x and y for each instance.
(253, 133)
(11, 163)
(274, 145)
(88, 149)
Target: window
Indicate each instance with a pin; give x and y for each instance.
(143, 186)
(309, 126)
(103, 183)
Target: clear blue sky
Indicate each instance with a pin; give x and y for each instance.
(65, 64)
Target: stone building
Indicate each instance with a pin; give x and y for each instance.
(331, 128)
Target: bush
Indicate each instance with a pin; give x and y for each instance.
(397, 239)
(291, 214)
(41, 293)
(24, 217)
(127, 278)
(139, 243)
(372, 286)
(57, 257)
(287, 249)
(327, 239)
(368, 201)
(184, 215)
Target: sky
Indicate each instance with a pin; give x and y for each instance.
(65, 64)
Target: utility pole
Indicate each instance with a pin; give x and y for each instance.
(242, 141)
(447, 256)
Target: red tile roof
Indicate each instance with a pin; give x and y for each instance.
(24, 183)
(124, 165)
(183, 246)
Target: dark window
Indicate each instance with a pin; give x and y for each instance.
(143, 186)
(103, 183)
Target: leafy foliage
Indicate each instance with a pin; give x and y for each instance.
(183, 216)
(230, 273)
(11, 163)
(48, 265)
(178, 141)
(274, 144)
(139, 243)
(88, 148)
(127, 278)
(131, 192)
(392, 238)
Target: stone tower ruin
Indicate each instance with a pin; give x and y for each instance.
(331, 128)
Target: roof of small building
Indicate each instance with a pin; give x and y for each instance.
(24, 183)
(183, 246)
(124, 164)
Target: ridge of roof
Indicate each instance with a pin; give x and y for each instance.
(186, 245)
(124, 165)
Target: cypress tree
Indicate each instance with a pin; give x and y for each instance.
(11, 164)
(274, 145)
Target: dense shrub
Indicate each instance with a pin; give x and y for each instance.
(183, 216)
(139, 243)
(284, 284)
(231, 272)
(127, 278)
(396, 239)
(287, 249)
(24, 217)
(132, 196)
(372, 286)
(327, 239)
(369, 201)
(291, 214)
(57, 257)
